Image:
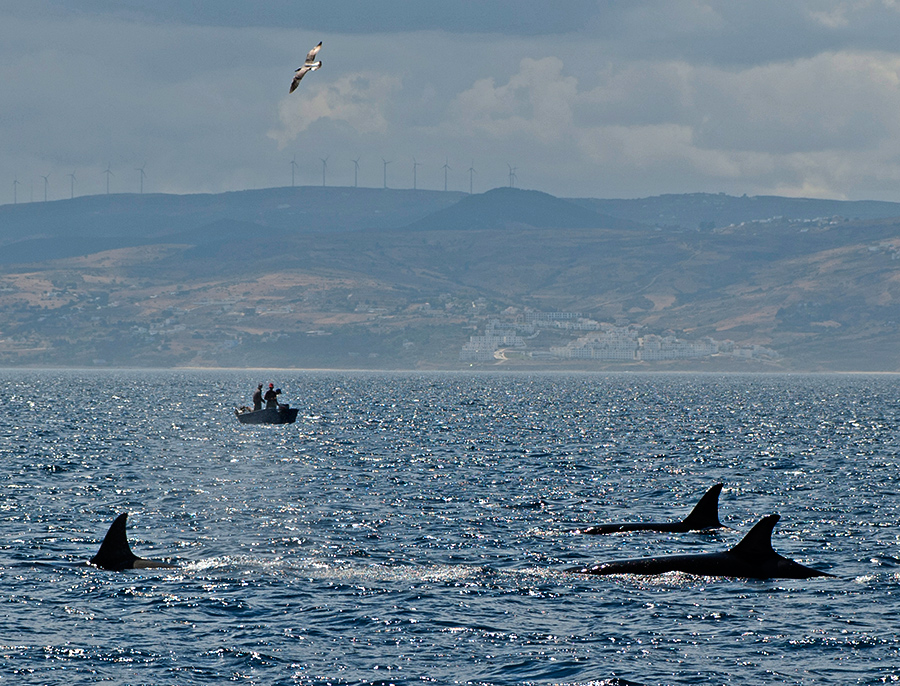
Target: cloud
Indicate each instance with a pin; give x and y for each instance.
(536, 102)
(830, 101)
(783, 126)
(359, 100)
(791, 125)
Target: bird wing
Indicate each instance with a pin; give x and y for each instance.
(299, 74)
(311, 55)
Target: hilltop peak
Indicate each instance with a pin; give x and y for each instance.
(504, 207)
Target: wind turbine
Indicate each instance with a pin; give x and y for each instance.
(46, 183)
(293, 168)
(72, 183)
(416, 165)
(386, 163)
(324, 166)
(141, 170)
(446, 168)
(472, 172)
(108, 173)
(355, 172)
(512, 176)
(15, 195)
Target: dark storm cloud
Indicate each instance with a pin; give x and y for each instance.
(521, 17)
(712, 31)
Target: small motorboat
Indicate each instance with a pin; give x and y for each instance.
(283, 414)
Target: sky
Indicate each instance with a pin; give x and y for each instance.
(579, 98)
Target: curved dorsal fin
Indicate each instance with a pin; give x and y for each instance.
(705, 514)
(758, 541)
(115, 553)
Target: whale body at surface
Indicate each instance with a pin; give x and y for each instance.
(752, 558)
(704, 516)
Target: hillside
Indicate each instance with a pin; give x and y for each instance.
(84, 225)
(403, 279)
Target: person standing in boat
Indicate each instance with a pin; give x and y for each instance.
(257, 398)
(271, 397)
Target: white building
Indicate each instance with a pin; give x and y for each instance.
(613, 343)
(671, 348)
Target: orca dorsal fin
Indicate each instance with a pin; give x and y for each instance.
(705, 514)
(758, 541)
(115, 553)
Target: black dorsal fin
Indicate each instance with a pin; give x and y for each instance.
(115, 553)
(705, 514)
(758, 541)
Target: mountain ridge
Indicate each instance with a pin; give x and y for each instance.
(404, 278)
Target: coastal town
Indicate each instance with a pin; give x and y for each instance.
(52, 322)
(518, 337)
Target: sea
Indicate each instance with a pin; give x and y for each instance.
(419, 528)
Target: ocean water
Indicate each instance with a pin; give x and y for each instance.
(416, 528)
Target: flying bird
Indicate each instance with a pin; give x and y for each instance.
(309, 65)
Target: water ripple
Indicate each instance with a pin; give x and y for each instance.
(416, 528)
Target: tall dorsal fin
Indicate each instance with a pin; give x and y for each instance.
(758, 541)
(115, 553)
(705, 514)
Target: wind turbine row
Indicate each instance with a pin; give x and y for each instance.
(512, 177)
(46, 177)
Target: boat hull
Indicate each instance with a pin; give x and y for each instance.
(281, 415)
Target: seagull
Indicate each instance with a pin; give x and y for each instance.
(309, 65)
